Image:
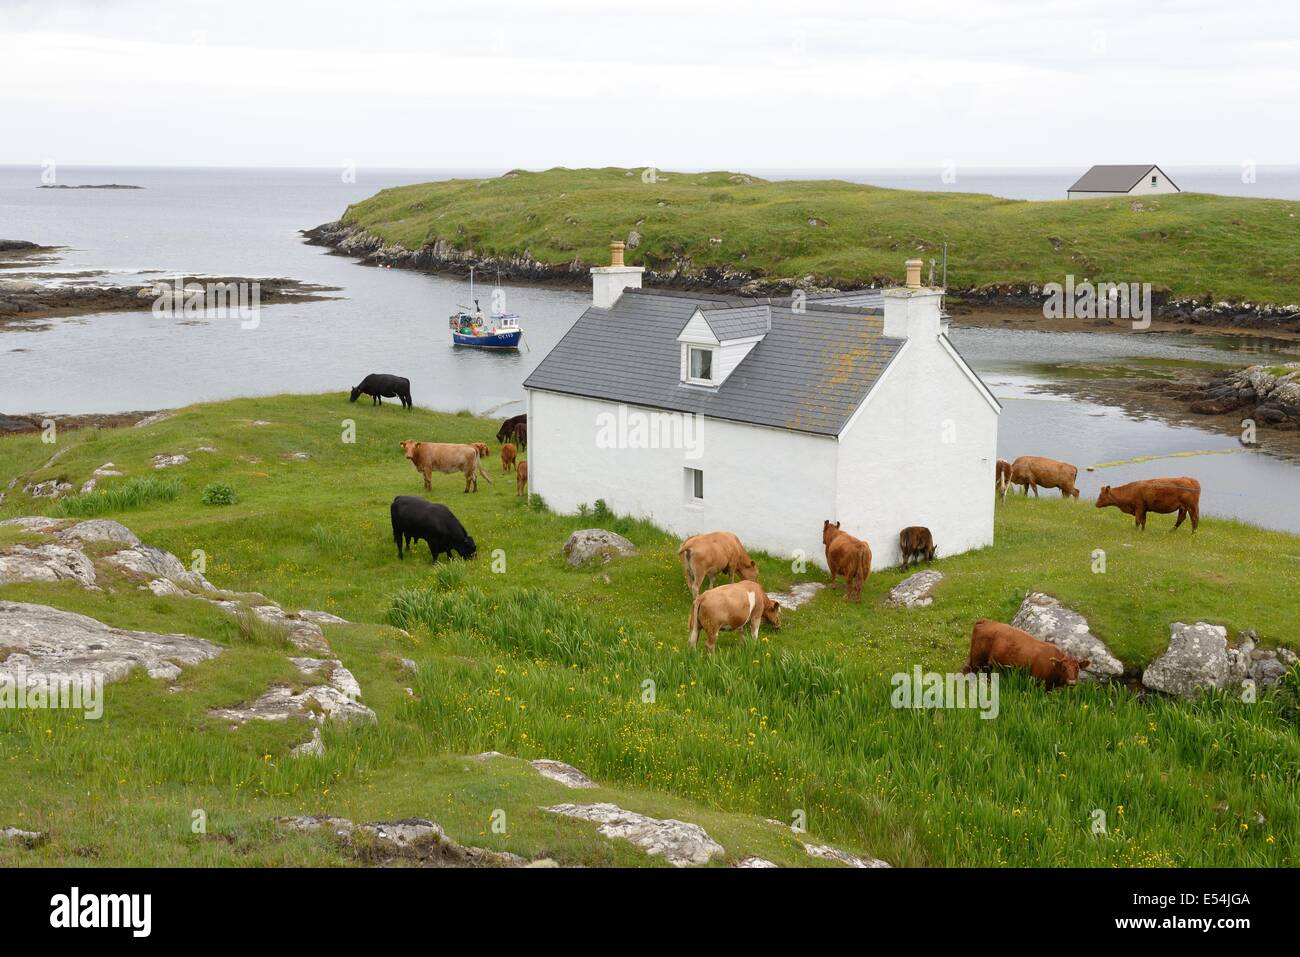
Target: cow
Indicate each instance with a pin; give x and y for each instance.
(712, 554)
(731, 608)
(430, 457)
(482, 449)
(847, 556)
(521, 478)
(916, 543)
(994, 644)
(1035, 471)
(508, 456)
(415, 518)
(510, 430)
(1002, 482)
(1160, 495)
(378, 384)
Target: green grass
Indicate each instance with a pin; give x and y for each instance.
(542, 660)
(1224, 247)
(129, 494)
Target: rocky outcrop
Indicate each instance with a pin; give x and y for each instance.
(566, 774)
(46, 563)
(1268, 397)
(99, 530)
(165, 461)
(915, 591)
(1047, 619)
(798, 595)
(315, 704)
(588, 544)
(1196, 661)
(52, 488)
(413, 839)
(679, 843)
(827, 853)
(16, 835)
(149, 562)
(46, 640)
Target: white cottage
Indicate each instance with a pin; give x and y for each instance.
(764, 417)
(1141, 180)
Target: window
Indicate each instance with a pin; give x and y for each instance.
(1153, 181)
(701, 365)
(695, 485)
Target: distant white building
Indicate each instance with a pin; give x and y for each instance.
(765, 417)
(1121, 181)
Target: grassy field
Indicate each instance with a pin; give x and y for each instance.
(541, 660)
(845, 234)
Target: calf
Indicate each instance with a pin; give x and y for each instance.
(993, 644)
(508, 456)
(916, 542)
(378, 384)
(1161, 495)
(713, 554)
(482, 449)
(732, 608)
(430, 457)
(1002, 481)
(1035, 471)
(415, 518)
(521, 478)
(847, 556)
(509, 427)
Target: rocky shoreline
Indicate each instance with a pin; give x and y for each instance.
(444, 257)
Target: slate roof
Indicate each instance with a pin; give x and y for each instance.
(1114, 179)
(809, 373)
(738, 322)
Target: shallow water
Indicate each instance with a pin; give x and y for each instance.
(245, 222)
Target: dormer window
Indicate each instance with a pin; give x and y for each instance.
(700, 367)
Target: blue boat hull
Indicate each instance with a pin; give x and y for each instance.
(495, 340)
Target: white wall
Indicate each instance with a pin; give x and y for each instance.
(896, 468)
(1143, 188)
(771, 487)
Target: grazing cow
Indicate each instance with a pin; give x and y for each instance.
(521, 478)
(415, 518)
(430, 457)
(482, 449)
(713, 554)
(732, 608)
(510, 430)
(1160, 495)
(993, 644)
(1003, 480)
(508, 456)
(847, 556)
(377, 385)
(916, 543)
(1034, 471)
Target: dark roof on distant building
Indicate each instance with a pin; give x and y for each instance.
(1115, 179)
(809, 373)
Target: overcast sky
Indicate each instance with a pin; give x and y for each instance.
(697, 84)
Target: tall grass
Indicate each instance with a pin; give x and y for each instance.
(133, 493)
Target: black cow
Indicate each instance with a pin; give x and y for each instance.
(416, 518)
(514, 429)
(378, 384)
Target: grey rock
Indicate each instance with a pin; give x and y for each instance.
(754, 862)
(1047, 619)
(46, 563)
(16, 835)
(32, 523)
(164, 461)
(679, 843)
(339, 677)
(826, 852)
(53, 488)
(566, 774)
(317, 703)
(915, 591)
(149, 562)
(1196, 660)
(799, 594)
(305, 635)
(47, 640)
(589, 543)
(321, 617)
(99, 530)
(154, 419)
(633, 239)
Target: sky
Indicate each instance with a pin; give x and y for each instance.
(677, 85)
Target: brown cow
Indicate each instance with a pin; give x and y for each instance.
(1002, 481)
(712, 554)
(1035, 471)
(1160, 495)
(430, 457)
(916, 543)
(482, 449)
(993, 644)
(521, 478)
(847, 556)
(508, 456)
(731, 608)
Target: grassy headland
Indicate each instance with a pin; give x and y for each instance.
(842, 234)
(541, 660)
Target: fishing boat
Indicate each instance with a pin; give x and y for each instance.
(472, 328)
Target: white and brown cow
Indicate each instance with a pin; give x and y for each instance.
(732, 607)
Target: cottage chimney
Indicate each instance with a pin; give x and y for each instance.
(608, 282)
(912, 311)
